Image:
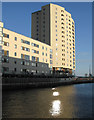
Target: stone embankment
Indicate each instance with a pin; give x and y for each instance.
(23, 83)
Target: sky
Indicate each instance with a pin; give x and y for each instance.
(16, 16)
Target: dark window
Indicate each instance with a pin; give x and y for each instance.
(15, 69)
(15, 54)
(15, 62)
(5, 35)
(5, 69)
(15, 38)
(5, 60)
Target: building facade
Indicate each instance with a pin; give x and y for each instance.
(51, 48)
(54, 26)
(21, 54)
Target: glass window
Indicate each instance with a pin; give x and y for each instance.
(42, 47)
(42, 53)
(33, 64)
(15, 54)
(50, 56)
(50, 61)
(27, 57)
(50, 50)
(15, 46)
(15, 38)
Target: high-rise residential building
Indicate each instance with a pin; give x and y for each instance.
(52, 46)
(54, 26)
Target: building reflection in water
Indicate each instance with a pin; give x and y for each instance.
(55, 108)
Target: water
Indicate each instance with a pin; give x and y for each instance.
(73, 101)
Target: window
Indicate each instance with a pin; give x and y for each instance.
(22, 62)
(42, 53)
(62, 15)
(26, 57)
(15, 54)
(5, 53)
(15, 69)
(5, 43)
(33, 64)
(46, 54)
(62, 10)
(15, 46)
(5, 69)
(24, 41)
(5, 35)
(15, 62)
(56, 39)
(50, 50)
(5, 60)
(35, 51)
(50, 61)
(50, 56)
(42, 47)
(15, 38)
(35, 58)
(35, 45)
(27, 49)
(24, 48)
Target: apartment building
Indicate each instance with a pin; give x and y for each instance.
(21, 54)
(54, 26)
(51, 48)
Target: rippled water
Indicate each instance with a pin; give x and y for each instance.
(73, 101)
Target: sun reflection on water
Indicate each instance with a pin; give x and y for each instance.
(55, 108)
(55, 93)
